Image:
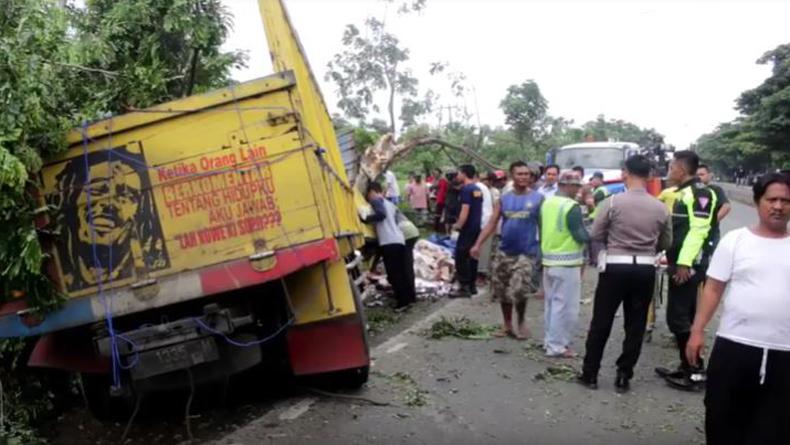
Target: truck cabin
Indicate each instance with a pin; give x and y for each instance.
(604, 157)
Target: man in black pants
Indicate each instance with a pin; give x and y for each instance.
(392, 245)
(634, 226)
(747, 394)
(468, 226)
(693, 208)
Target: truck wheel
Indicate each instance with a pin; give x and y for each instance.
(102, 404)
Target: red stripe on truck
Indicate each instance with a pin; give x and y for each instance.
(238, 274)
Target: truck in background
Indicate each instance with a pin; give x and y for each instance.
(200, 238)
(607, 158)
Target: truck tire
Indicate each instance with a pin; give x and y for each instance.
(103, 405)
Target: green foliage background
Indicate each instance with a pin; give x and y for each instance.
(61, 65)
(759, 139)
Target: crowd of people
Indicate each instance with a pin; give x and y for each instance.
(540, 227)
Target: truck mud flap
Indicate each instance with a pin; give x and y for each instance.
(327, 346)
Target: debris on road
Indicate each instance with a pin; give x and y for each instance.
(379, 318)
(347, 397)
(431, 290)
(433, 262)
(459, 327)
(433, 270)
(413, 395)
(565, 373)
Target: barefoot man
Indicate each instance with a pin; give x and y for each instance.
(514, 269)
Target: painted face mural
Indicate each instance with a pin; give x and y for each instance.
(106, 219)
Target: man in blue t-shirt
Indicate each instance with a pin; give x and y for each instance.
(514, 272)
(468, 226)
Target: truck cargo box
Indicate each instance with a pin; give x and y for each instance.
(187, 199)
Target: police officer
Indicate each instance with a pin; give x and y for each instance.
(634, 226)
(692, 207)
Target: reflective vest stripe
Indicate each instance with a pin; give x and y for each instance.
(557, 244)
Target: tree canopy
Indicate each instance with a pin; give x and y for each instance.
(372, 62)
(62, 64)
(525, 111)
(759, 139)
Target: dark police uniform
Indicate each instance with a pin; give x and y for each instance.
(693, 207)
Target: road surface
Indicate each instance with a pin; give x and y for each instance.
(493, 391)
(453, 391)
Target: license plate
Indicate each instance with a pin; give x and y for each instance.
(175, 357)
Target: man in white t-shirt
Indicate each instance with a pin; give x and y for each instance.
(747, 397)
(487, 211)
(488, 202)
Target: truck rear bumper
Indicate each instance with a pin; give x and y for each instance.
(15, 321)
(327, 346)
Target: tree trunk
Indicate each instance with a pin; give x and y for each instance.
(391, 107)
(192, 73)
(391, 76)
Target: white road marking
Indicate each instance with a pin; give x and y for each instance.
(303, 406)
(397, 347)
(296, 410)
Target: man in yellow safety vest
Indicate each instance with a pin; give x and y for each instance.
(562, 236)
(692, 206)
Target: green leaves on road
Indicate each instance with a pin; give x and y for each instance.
(459, 327)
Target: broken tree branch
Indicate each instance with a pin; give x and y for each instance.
(378, 157)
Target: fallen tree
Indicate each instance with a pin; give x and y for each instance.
(385, 152)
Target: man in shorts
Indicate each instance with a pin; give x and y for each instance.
(514, 270)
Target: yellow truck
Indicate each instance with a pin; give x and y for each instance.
(201, 237)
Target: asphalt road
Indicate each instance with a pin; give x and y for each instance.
(493, 391)
(437, 391)
(740, 216)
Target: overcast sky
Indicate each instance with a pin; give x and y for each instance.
(676, 66)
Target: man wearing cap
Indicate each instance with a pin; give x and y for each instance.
(634, 226)
(562, 239)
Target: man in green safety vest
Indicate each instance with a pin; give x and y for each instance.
(562, 239)
(693, 207)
